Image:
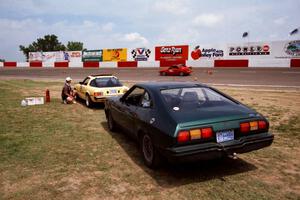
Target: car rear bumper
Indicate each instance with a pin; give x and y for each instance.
(103, 99)
(206, 151)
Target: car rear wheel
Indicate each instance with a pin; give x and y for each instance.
(151, 156)
(77, 96)
(164, 73)
(111, 123)
(88, 101)
(181, 74)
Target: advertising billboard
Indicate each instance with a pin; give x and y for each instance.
(249, 49)
(73, 56)
(140, 54)
(111, 55)
(92, 55)
(55, 56)
(286, 49)
(212, 52)
(172, 53)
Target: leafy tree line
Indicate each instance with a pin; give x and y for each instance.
(50, 43)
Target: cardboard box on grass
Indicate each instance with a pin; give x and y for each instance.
(34, 101)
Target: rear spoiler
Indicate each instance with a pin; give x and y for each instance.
(101, 75)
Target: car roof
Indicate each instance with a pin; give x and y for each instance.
(169, 85)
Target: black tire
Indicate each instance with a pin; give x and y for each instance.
(181, 74)
(112, 126)
(151, 156)
(88, 101)
(77, 97)
(164, 74)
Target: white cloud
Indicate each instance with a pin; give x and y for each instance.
(94, 35)
(89, 24)
(175, 7)
(208, 20)
(135, 38)
(280, 21)
(108, 26)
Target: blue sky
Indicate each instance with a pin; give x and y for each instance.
(144, 23)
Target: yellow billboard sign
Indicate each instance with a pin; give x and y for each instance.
(114, 54)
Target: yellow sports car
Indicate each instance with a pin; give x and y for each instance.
(96, 88)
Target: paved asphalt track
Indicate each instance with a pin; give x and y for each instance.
(270, 77)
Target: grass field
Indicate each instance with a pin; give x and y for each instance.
(57, 151)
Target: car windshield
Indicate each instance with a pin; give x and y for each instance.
(107, 82)
(193, 97)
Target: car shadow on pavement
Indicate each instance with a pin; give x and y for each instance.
(172, 175)
(96, 106)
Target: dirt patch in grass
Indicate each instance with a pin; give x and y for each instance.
(57, 151)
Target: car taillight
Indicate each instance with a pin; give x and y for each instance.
(194, 134)
(183, 136)
(246, 127)
(97, 94)
(253, 126)
(206, 133)
(262, 124)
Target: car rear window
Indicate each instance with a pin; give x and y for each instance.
(106, 82)
(193, 98)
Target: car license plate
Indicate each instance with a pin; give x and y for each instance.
(224, 136)
(113, 92)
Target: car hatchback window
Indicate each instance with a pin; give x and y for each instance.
(107, 82)
(193, 98)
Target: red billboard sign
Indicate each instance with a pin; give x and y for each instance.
(172, 53)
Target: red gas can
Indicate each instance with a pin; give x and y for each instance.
(47, 96)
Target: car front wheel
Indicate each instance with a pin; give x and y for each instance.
(181, 74)
(150, 154)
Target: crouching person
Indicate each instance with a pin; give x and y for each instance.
(67, 93)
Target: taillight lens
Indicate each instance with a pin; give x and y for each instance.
(206, 133)
(97, 94)
(194, 134)
(253, 126)
(262, 124)
(183, 136)
(245, 127)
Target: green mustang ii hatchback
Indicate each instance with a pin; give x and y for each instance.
(186, 122)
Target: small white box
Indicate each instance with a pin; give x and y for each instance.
(34, 101)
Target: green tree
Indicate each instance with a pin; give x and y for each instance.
(74, 46)
(48, 43)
